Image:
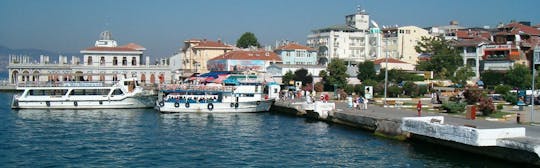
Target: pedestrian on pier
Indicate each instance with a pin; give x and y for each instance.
(365, 101)
(419, 108)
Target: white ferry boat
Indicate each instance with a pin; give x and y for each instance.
(126, 93)
(244, 97)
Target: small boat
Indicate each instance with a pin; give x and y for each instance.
(125, 93)
(242, 97)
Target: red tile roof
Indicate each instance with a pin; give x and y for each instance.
(466, 34)
(127, 47)
(470, 42)
(133, 46)
(249, 55)
(390, 60)
(516, 28)
(293, 46)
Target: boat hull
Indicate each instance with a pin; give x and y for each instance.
(226, 107)
(127, 102)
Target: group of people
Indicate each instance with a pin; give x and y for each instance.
(358, 102)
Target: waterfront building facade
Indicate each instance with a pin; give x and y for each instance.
(196, 54)
(472, 51)
(400, 42)
(242, 60)
(106, 61)
(514, 41)
(297, 54)
(349, 42)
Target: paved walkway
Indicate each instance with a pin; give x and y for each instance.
(532, 131)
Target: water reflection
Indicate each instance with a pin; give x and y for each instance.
(79, 115)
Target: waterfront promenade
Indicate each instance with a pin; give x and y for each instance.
(388, 121)
(532, 131)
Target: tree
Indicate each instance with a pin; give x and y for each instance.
(462, 75)
(491, 78)
(337, 73)
(285, 79)
(323, 74)
(302, 75)
(518, 76)
(246, 40)
(366, 71)
(444, 58)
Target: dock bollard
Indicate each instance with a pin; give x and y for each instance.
(517, 118)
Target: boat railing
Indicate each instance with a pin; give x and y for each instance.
(65, 84)
(197, 87)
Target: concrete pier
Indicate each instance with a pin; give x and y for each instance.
(502, 140)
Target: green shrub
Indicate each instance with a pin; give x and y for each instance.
(349, 89)
(502, 89)
(500, 107)
(510, 97)
(453, 107)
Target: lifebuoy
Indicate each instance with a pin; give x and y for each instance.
(210, 106)
(161, 104)
(258, 102)
(48, 103)
(176, 104)
(235, 105)
(75, 103)
(232, 104)
(187, 105)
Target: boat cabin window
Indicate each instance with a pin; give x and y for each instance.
(117, 92)
(89, 92)
(47, 92)
(127, 83)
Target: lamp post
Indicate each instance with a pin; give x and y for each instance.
(536, 56)
(385, 73)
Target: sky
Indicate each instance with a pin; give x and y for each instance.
(161, 26)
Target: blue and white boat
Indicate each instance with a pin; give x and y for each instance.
(233, 96)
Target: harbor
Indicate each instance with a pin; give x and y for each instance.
(144, 137)
(264, 84)
(521, 145)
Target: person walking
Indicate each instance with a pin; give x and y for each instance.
(365, 101)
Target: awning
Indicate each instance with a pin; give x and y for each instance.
(221, 78)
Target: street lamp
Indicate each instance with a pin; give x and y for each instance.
(385, 73)
(536, 57)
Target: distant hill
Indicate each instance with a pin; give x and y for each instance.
(33, 53)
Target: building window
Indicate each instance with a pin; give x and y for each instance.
(134, 61)
(124, 61)
(102, 61)
(115, 61)
(90, 60)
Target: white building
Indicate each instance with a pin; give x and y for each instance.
(106, 61)
(349, 42)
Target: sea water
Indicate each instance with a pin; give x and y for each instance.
(146, 138)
